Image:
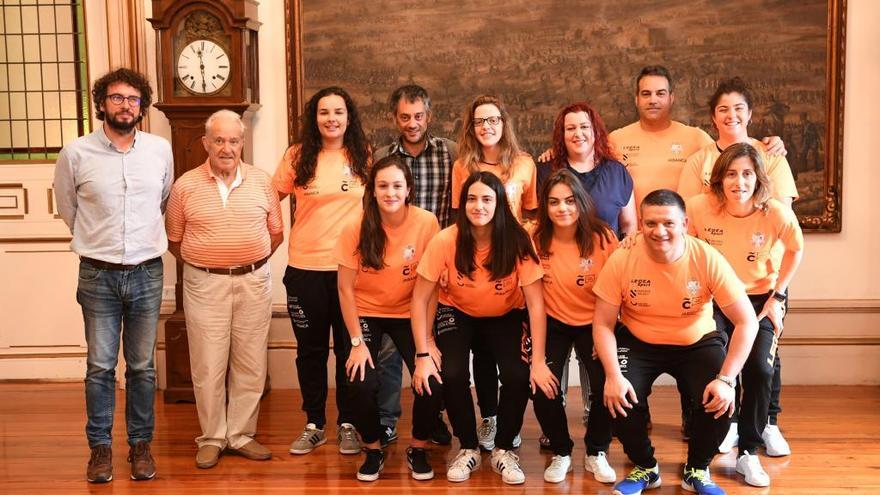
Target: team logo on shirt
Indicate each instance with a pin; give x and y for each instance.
(676, 148)
(639, 287)
(512, 190)
(758, 240)
(409, 252)
(348, 181)
(346, 170)
(692, 287)
(586, 264)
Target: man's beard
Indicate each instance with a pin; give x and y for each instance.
(123, 126)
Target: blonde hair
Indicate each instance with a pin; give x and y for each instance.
(470, 151)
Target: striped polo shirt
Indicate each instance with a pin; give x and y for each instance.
(220, 236)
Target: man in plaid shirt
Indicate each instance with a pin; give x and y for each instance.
(430, 158)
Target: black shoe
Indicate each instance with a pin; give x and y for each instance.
(372, 465)
(544, 443)
(441, 435)
(417, 460)
(387, 435)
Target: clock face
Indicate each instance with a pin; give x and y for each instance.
(203, 67)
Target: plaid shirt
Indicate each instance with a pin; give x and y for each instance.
(432, 173)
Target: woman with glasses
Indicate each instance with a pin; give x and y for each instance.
(488, 142)
(324, 172)
(494, 275)
(739, 217)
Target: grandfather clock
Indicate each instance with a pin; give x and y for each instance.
(207, 60)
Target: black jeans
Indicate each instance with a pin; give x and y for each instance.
(313, 306)
(753, 387)
(366, 393)
(694, 366)
(507, 335)
(485, 378)
(551, 412)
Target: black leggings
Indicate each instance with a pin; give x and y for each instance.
(756, 378)
(551, 412)
(365, 393)
(455, 335)
(485, 378)
(313, 306)
(694, 366)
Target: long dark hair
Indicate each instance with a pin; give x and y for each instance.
(371, 246)
(355, 141)
(510, 241)
(601, 146)
(588, 222)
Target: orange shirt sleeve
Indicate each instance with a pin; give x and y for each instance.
(345, 251)
(528, 271)
(174, 219)
(725, 286)
(433, 262)
(285, 173)
(609, 285)
(790, 231)
(690, 182)
(459, 175)
(530, 191)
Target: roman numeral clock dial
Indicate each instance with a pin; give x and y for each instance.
(203, 67)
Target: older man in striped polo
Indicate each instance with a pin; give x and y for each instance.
(223, 221)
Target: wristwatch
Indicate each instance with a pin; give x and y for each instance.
(779, 296)
(726, 379)
(356, 341)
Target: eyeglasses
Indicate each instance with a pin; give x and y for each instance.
(117, 99)
(494, 120)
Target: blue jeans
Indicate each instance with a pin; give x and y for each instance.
(390, 368)
(120, 303)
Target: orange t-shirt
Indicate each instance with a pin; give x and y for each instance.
(386, 293)
(747, 242)
(669, 303)
(521, 185)
(655, 159)
(323, 206)
(695, 175)
(478, 296)
(569, 278)
(217, 235)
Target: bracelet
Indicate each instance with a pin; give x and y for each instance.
(731, 382)
(423, 354)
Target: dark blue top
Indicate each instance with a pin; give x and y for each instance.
(609, 184)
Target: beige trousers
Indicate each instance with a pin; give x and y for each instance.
(227, 325)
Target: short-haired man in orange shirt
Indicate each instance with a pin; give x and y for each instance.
(663, 288)
(224, 222)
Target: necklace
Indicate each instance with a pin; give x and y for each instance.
(488, 163)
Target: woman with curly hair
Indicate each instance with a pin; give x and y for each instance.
(324, 172)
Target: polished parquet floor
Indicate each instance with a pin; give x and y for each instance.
(834, 433)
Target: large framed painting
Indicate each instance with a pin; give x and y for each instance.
(539, 55)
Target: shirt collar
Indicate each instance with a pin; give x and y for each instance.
(397, 145)
(102, 137)
(240, 172)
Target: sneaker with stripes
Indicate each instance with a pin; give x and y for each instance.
(506, 463)
(466, 462)
(310, 438)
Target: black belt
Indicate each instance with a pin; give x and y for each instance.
(235, 270)
(104, 265)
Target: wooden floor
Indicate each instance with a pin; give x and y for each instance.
(834, 433)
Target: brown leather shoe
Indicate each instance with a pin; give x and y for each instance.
(207, 456)
(143, 467)
(253, 451)
(100, 468)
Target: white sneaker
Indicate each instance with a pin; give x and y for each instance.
(517, 441)
(774, 442)
(750, 467)
(486, 433)
(730, 440)
(465, 462)
(598, 465)
(506, 463)
(560, 465)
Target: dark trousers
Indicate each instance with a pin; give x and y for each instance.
(455, 334)
(551, 412)
(485, 378)
(692, 365)
(366, 393)
(753, 387)
(313, 306)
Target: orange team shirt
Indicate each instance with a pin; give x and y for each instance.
(521, 185)
(386, 293)
(696, 173)
(323, 206)
(669, 303)
(478, 296)
(746, 242)
(655, 159)
(569, 278)
(214, 235)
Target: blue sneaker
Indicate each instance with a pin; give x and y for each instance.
(699, 481)
(637, 480)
